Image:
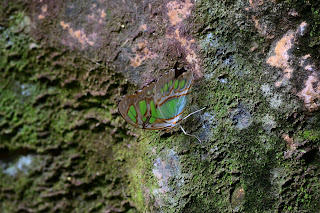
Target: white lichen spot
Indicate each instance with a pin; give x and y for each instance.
(278, 177)
(274, 98)
(168, 174)
(303, 26)
(276, 101)
(266, 89)
(268, 122)
(208, 117)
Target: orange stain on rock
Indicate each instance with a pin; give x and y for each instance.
(93, 6)
(303, 59)
(289, 141)
(255, 3)
(308, 67)
(177, 11)
(304, 63)
(281, 57)
(102, 13)
(44, 10)
(281, 52)
(143, 27)
(91, 17)
(142, 53)
(262, 28)
(292, 147)
(77, 34)
(311, 93)
(97, 15)
(102, 16)
(64, 25)
(191, 57)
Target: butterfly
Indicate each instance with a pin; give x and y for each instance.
(159, 105)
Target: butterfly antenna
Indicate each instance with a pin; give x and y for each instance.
(193, 113)
(190, 134)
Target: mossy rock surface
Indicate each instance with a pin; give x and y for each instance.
(64, 66)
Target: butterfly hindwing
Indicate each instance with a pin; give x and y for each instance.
(136, 108)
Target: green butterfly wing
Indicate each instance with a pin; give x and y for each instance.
(159, 105)
(139, 109)
(172, 96)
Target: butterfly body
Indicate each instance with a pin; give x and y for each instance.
(160, 105)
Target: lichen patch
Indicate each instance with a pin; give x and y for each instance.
(268, 122)
(276, 101)
(237, 198)
(241, 117)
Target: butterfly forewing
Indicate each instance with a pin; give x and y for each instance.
(172, 96)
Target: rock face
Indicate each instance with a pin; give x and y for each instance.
(65, 65)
